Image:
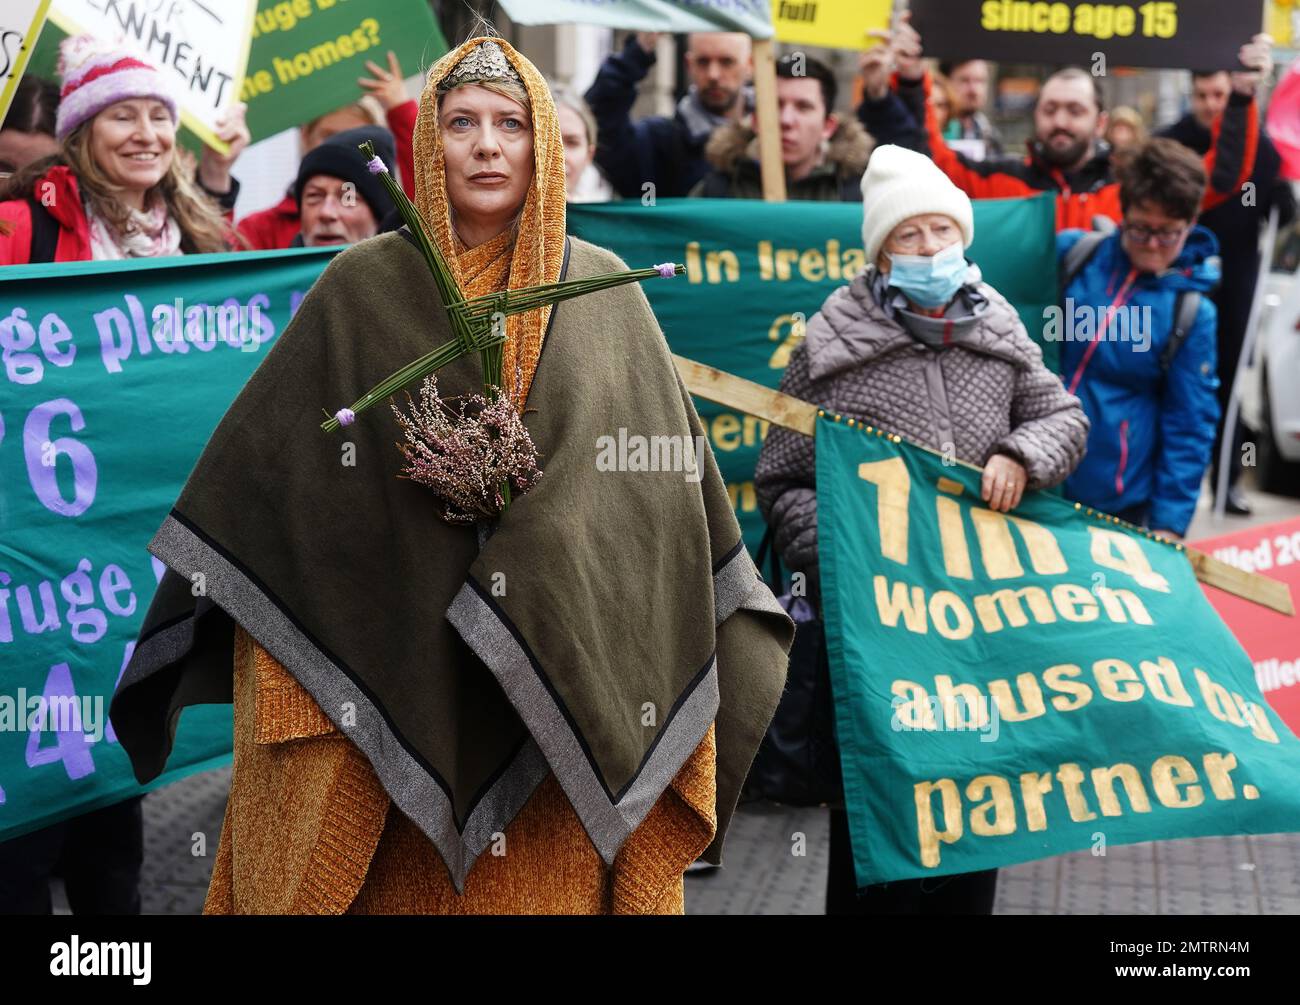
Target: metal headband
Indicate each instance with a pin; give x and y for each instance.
(484, 62)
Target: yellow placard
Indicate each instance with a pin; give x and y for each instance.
(1280, 13)
(16, 62)
(832, 24)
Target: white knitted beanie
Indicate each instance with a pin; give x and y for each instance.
(900, 183)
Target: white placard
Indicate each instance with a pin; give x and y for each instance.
(203, 43)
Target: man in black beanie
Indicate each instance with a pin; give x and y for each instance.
(339, 200)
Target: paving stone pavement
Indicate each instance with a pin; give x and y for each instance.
(770, 871)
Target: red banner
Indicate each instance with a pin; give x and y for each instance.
(1272, 640)
(1284, 121)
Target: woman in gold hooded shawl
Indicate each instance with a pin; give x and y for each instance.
(631, 669)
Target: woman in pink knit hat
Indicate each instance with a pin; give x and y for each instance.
(119, 187)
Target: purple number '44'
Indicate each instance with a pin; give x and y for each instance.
(60, 713)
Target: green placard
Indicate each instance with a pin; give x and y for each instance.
(306, 55)
(1009, 688)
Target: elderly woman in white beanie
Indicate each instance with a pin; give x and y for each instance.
(917, 344)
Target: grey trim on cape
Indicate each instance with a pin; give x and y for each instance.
(730, 675)
(608, 820)
(413, 787)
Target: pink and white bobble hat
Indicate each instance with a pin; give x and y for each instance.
(97, 74)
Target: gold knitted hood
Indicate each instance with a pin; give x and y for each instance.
(538, 252)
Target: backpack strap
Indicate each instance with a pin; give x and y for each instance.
(1082, 250)
(45, 233)
(1186, 307)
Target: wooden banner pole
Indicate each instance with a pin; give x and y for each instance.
(791, 413)
(769, 122)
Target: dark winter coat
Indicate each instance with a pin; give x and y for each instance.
(732, 153)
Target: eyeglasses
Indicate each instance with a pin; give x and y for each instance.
(1142, 234)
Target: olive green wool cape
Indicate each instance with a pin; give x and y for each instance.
(607, 619)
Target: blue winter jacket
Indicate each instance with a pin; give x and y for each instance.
(1152, 430)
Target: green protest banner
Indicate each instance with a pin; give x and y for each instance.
(753, 17)
(1011, 687)
(112, 377)
(757, 271)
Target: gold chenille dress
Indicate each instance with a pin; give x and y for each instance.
(309, 829)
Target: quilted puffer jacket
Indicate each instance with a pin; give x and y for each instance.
(988, 393)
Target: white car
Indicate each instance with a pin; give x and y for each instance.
(1274, 407)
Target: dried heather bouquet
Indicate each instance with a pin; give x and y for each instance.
(473, 456)
(454, 453)
(472, 319)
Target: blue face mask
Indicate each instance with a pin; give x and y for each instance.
(929, 281)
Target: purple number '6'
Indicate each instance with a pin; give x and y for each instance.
(42, 458)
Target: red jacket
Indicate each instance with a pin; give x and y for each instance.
(272, 228)
(1091, 190)
(57, 192)
(276, 227)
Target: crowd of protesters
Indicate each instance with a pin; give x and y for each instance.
(90, 169)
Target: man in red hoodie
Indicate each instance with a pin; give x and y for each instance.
(1067, 155)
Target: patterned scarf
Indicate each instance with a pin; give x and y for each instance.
(153, 233)
(960, 318)
(536, 255)
(699, 121)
